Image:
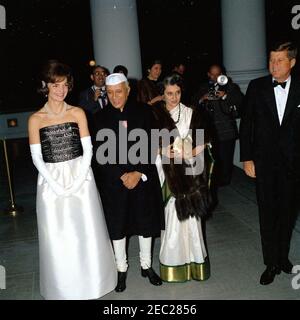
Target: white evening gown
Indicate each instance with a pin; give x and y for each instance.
(76, 256)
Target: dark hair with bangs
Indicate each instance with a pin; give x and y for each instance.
(55, 71)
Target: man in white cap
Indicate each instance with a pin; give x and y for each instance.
(130, 193)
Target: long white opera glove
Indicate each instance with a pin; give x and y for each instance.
(84, 166)
(37, 158)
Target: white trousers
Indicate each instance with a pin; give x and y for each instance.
(120, 253)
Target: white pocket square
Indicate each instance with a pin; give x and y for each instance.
(298, 106)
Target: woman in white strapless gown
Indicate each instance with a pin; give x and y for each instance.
(76, 256)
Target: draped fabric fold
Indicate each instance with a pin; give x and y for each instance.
(183, 255)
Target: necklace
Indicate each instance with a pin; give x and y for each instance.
(51, 113)
(179, 113)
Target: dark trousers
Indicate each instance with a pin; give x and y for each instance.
(223, 152)
(277, 214)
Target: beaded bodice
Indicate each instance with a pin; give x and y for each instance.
(60, 142)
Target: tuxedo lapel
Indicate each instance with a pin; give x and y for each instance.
(294, 92)
(91, 96)
(268, 92)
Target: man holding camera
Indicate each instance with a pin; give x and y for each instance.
(95, 98)
(221, 99)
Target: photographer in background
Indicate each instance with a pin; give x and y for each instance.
(95, 98)
(222, 102)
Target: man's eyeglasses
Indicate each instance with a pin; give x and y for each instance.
(99, 73)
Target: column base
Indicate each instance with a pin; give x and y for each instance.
(242, 78)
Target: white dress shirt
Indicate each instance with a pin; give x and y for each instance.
(103, 102)
(281, 95)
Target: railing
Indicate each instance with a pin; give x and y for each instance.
(12, 126)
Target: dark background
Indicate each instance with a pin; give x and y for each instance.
(172, 30)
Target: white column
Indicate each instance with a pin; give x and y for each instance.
(244, 44)
(2, 17)
(116, 35)
(244, 40)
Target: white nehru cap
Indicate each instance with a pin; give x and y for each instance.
(115, 78)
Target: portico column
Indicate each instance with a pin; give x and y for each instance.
(244, 44)
(244, 40)
(116, 35)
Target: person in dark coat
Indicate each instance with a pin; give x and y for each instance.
(148, 90)
(131, 193)
(270, 151)
(94, 98)
(222, 104)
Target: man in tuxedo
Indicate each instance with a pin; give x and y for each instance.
(270, 148)
(94, 98)
(130, 192)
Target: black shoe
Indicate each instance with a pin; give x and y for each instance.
(152, 276)
(269, 274)
(287, 267)
(121, 286)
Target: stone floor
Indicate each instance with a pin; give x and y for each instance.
(232, 236)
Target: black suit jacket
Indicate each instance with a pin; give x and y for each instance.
(222, 112)
(262, 138)
(87, 102)
(140, 210)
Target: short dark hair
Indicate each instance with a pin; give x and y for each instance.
(153, 62)
(177, 64)
(120, 68)
(213, 65)
(286, 46)
(106, 71)
(52, 72)
(171, 80)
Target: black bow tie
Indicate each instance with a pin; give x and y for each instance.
(276, 83)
